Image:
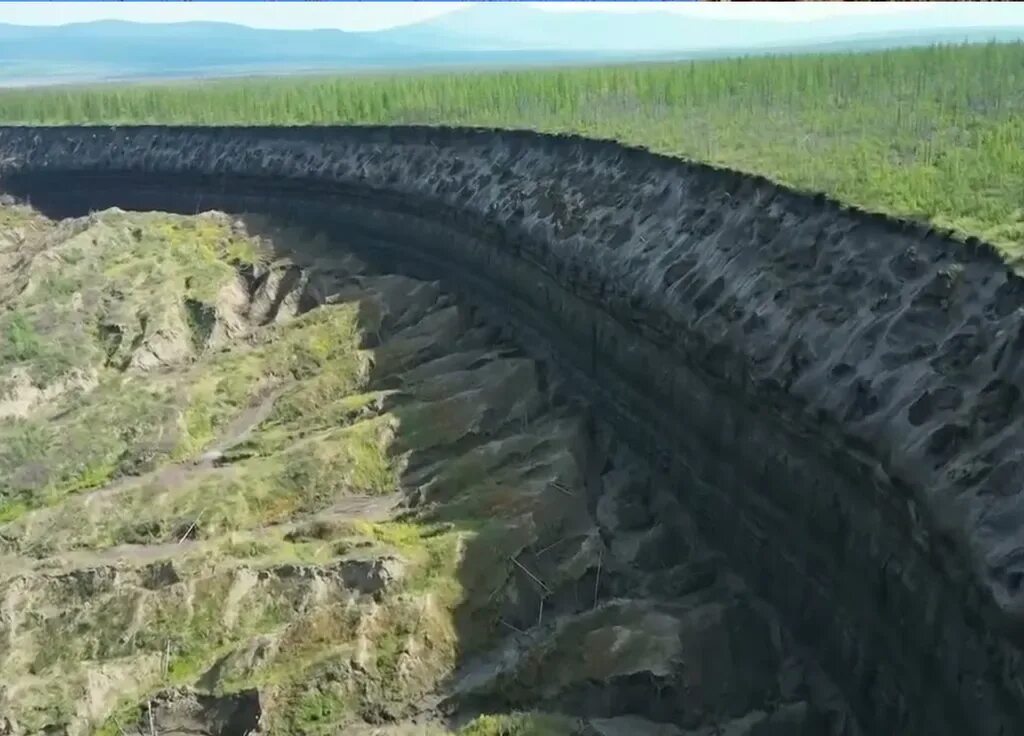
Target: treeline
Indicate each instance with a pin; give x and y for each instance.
(935, 133)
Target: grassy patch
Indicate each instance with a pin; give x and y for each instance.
(195, 630)
(520, 724)
(306, 477)
(315, 361)
(24, 341)
(42, 458)
(314, 712)
(94, 298)
(118, 286)
(21, 341)
(11, 510)
(294, 461)
(129, 278)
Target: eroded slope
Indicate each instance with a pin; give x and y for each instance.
(244, 492)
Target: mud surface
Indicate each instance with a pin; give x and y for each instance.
(834, 396)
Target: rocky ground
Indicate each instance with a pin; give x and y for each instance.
(249, 486)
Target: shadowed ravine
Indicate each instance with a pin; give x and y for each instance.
(831, 397)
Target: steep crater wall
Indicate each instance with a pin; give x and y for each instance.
(835, 395)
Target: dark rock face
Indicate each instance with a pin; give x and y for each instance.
(835, 395)
(182, 712)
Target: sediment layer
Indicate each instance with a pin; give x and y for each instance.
(834, 395)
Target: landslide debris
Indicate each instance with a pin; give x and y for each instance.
(249, 486)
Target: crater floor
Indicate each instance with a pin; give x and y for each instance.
(247, 485)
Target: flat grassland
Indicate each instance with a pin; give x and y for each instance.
(935, 134)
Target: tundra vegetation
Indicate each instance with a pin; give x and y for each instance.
(199, 469)
(930, 133)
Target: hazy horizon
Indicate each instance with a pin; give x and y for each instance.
(370, 16)
(61, 43)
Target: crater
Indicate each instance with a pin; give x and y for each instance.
(810, 558)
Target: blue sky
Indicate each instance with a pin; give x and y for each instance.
(364, 16)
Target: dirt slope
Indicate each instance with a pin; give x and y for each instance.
(249, 486)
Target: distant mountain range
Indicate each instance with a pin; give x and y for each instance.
(121, 50)
(487, 34)
(521, 26)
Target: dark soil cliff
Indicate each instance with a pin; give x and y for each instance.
(834, 396)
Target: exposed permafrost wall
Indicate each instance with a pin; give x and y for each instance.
(836, 395)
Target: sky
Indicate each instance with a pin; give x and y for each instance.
(368, 16)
